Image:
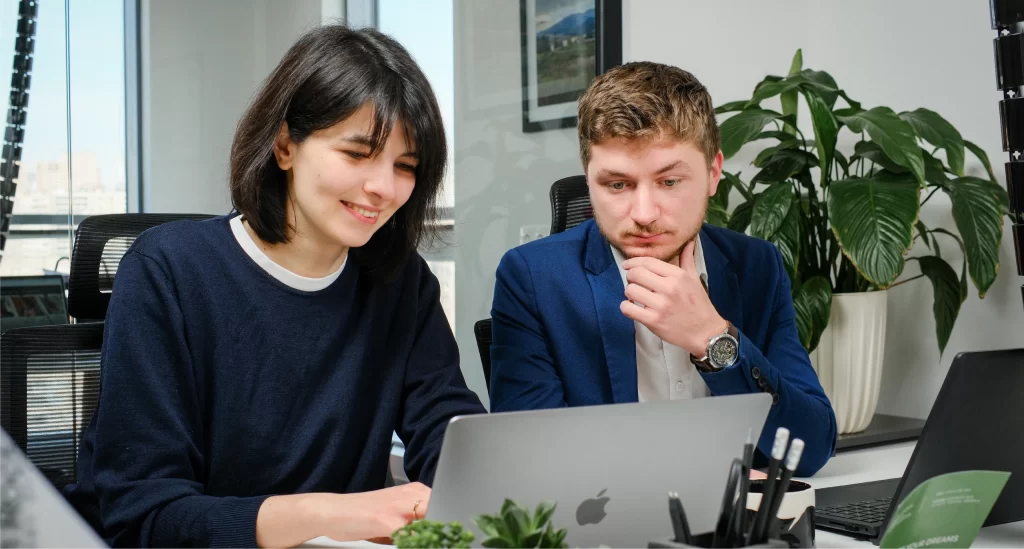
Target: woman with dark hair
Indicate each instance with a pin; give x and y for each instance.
(255, 365)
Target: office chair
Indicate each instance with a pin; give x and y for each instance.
(49, 385)
(570, 203)
(49, 375)
(482, 330)
(100, 243)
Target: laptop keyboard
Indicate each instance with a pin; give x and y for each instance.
(871, 511)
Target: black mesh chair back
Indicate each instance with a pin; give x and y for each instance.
(49, 385)
(482, 330)
(100, 243)
(570, 203)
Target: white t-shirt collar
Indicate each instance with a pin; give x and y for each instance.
(283, 275)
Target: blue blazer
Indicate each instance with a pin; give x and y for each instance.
(559, 338)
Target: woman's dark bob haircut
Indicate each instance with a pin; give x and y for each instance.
(324, 78)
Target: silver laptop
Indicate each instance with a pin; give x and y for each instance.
(609, 468)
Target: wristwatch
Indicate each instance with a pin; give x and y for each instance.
(722, 351)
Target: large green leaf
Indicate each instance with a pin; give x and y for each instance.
(978, 214)
(789, 98)
(937, 131)
(963, 265)
(980, 153)
(783, 164)
(813, 305)
(767, 89)
(895, 136)
(870, 150)
(731, 106)
(743, 126)
(717, 215)
(946, 289)
(826, 128)
(873, 220)
(766, 153)
(934, 171)
(825, 85)
(843, 163)
(787, 240)
(770, 210)
(774, 134)
(740, 218)
(737, 184)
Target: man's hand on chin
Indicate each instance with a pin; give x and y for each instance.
(671, 301)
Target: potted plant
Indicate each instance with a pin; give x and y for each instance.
(845, 222)
(513, 526)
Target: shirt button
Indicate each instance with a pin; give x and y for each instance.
(679, 385)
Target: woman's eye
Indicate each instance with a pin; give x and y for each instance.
(356, 154)
(407, 167)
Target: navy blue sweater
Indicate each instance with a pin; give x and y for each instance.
(221, 386)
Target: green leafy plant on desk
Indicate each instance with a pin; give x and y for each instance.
(431, 533)
(514, 526)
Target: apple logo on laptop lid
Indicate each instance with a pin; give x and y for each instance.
(591, 511)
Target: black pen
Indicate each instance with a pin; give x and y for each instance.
(740, 527)
(757, 533)
(796, 450)
(679, 523)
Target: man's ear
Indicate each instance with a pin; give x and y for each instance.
(716, 173)
(284, 148)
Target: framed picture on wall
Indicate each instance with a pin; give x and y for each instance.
(565, 44)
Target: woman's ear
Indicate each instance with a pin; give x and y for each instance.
(284, 148)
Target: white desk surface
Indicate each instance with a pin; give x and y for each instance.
(849, 467)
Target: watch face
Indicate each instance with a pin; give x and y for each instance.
(723, 352)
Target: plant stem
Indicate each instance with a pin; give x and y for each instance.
(905, 281)
(923, 202)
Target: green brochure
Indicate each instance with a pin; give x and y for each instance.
(945, 511)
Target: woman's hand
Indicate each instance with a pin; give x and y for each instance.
(286, 521)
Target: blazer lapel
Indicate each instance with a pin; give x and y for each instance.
(723, 287)
(618, 333)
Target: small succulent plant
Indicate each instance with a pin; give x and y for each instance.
(515, 527)
(432, 534)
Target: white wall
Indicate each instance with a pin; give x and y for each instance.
(907, 54)
(201, 63)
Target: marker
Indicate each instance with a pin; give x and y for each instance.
(759, 531)
(740, 527)
(796, 450)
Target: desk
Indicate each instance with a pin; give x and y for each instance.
(849, 467)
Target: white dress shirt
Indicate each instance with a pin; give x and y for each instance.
(664, 371)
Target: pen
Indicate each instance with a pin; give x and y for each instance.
(757, 533)
(796, 450)
(679, 523)
(740, 527)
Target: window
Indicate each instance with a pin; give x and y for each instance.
(73, 152)
(425, 28)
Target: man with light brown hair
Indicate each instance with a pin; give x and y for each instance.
(646, 301)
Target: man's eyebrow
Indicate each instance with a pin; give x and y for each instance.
(610, 173)
(672, 166)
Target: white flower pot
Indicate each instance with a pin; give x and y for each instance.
(848, 360)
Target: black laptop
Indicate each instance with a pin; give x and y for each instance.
(32, 301)
(975, 424)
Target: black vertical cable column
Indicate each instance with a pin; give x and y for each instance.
(14, 134)
(1007, 18)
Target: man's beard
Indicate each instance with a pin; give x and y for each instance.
(641, 230)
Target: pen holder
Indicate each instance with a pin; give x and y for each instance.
(792, 533)
(794, 527)
(796, 513)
